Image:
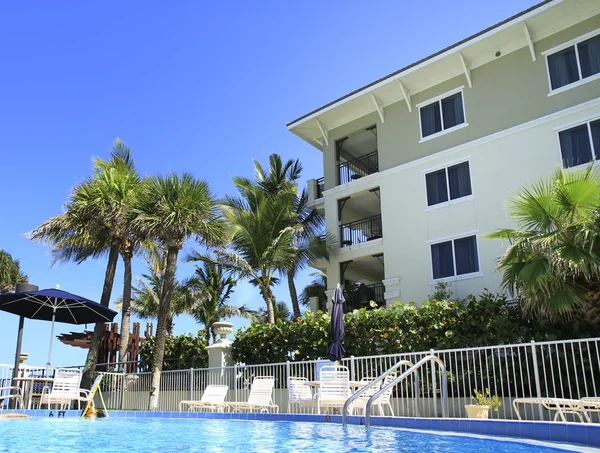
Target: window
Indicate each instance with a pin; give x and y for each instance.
(580, 145)
(454, 257)
(574, 63)
(442, 114)
(453, 182)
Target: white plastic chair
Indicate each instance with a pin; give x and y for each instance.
(361, 402)
(260, 396)
(65, 388)
(334, 388)
(385, 397)
(213, 399)
(300, 394)
(7, 393)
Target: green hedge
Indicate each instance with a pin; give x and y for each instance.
(482, 321)
(181, 352)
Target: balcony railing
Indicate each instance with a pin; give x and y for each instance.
(357, 168)
(320, 187)
(360, 231)
(360, 296)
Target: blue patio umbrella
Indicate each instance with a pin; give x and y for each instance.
(336, 350)
(55, 305)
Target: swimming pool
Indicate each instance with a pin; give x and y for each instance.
(181, 435)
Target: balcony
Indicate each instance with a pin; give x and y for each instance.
(360, 231)
(359, 167)
(359, 295)
(320, 187)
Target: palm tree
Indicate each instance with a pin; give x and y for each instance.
(95, 223)
(146, 299)
(316, 288)
(10, 272)
(281, 313)
(553, 261)
(309, 223)
(262, 233)
(210, 288)
(171, 210)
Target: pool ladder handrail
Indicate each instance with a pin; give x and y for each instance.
(412, 370)
(372, 383)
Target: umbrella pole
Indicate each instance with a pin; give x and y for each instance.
(51, 338)
(18, 352)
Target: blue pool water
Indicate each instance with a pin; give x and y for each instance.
(212, 436)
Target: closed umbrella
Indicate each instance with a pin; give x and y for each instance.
(336, 350)
(57, 306)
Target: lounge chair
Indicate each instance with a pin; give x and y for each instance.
(334, 388)
(7, 393)
(213, 399)
(562, 406)
(299, 393)
(361, 402)
(260, 397)
(65, 388)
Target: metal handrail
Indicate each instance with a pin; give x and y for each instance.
(411, 370)
(371, 384)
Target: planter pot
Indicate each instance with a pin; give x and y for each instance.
(222, 329)
(474, 411)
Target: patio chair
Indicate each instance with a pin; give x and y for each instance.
(334, 388)
(213, 399)
(65, 388)
(8, 393)
(361, 402)
(589, 404)
(561, 406)
(300, 394)
(386, 397)
(260, 397)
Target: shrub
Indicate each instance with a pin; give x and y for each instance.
(438, 324)
(181, 352)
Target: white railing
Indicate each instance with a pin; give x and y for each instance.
(6, 374)
(561, 369)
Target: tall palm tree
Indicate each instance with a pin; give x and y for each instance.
(10, 272)
(95, 223)
(553, 261)
(262, 233)
(210, 288)
(309, 245)
(171, 210)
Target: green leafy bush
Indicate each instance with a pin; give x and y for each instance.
(484, 399)
(181, 352)
(438, 324)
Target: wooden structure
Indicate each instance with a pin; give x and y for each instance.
(109, 346)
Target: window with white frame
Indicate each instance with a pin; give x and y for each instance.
(580, 145)
(574, 63)
(448, 184)
(454, 257)
(442, 114)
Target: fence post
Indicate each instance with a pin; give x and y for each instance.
(191, 384)
(123, 378)
(235, 382)
(536, 374)
(433, 385)
(352, 370)
(287, 379)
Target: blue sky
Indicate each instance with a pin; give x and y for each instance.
(189, 86)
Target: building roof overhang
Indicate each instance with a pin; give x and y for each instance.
(522, 30)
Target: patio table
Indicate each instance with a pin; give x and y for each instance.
(27, 386)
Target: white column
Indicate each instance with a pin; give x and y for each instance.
(314, 305)
(329, 294)
(392, 290)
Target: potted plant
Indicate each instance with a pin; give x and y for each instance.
(482, 403)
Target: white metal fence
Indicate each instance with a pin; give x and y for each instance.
(560, 369)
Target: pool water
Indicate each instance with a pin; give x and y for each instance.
(172, 435)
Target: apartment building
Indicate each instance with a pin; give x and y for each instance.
(418, 165)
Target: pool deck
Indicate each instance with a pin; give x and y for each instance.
(577, 434)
